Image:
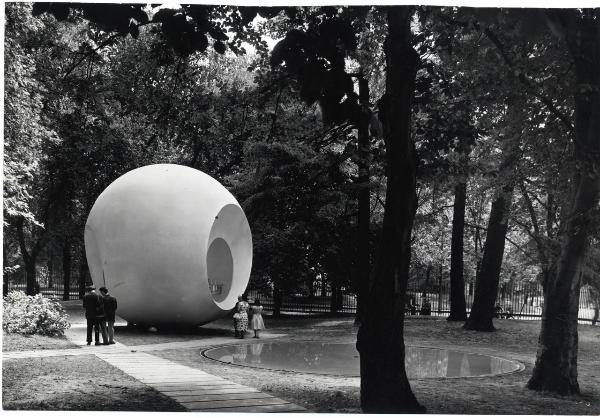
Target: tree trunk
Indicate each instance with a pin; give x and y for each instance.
(458, 306)
(277, 301)
(335, 294)
(67, 268)
(50, 264)
(488, 276)
(364, 202)
(550, 214)
(29, 259)
(441, 275)
(4, 276)
(556, 362)
(380, 341)
(32, 287)
(439, 288)
(83, 272)
(427, 285)
(486, 283)
(555, 368)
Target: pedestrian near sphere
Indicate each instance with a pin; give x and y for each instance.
(257, 323)
(94, 315)
(110, 307)
(240, 318)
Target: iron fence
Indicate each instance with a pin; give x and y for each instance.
(51, 286)
(515, 300)
(306, 304)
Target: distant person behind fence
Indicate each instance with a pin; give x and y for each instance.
(94, 314)
(110, 307)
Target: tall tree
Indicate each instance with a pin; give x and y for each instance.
(380, 340)
(458, 306)
(26, 135)
(364, 200)
(315, 53)
(488, 276)
(556, 363)
(446, 130)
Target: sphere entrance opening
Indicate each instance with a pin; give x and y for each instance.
(219, 264)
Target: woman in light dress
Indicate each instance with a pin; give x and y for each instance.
(257, 323)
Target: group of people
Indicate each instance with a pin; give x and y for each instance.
(100, 312)
(240, 318)
(100, 315)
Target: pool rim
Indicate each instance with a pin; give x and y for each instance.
(521, 366)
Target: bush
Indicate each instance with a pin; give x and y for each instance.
(28, 315)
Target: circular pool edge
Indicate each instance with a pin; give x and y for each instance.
(520, 365)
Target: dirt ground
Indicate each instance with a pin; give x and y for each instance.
(78, 376)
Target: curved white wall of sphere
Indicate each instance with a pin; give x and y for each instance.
(171, 244)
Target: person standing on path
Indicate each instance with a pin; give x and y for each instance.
(257, 323)
(241, 317)
(236, 317)
(94, 315)
(110, 307)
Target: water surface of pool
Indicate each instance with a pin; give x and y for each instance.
(342, 359)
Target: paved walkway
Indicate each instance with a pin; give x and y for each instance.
(194, 389)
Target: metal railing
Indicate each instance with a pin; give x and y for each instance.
(522, 301)
(515, 300)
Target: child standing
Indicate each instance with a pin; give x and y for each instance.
(257, 323)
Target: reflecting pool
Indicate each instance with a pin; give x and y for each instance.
(342, 359)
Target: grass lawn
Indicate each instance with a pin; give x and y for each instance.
(18, 342)
(83, 383)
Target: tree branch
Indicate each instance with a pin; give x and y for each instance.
(274, 118)
(517, 246)
(531, 209)
(99, 47)
(21, 237)
(526, 80)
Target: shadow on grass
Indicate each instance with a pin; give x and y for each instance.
(107, 398)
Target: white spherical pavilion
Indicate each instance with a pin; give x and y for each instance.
(171, 244)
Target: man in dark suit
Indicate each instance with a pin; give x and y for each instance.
(94, 314)
(110, 307)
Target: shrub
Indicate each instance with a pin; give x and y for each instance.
(28, 315)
